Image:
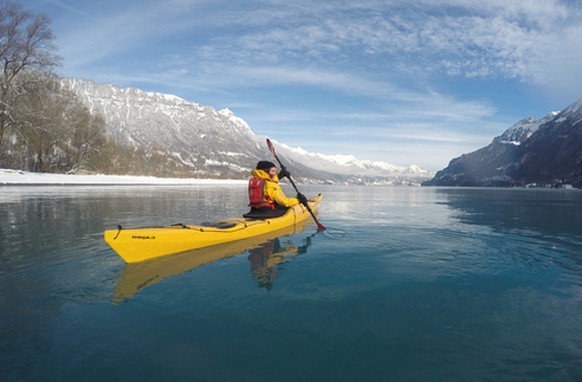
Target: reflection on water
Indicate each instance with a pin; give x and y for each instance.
(266, 259)
(544, 225)
(548, 211)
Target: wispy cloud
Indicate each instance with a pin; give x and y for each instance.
(462, 38)
(493, 39)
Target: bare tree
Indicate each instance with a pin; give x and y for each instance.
(56, 132)
(26, 44)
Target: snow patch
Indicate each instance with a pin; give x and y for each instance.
(14, 177)
(349, 164)
(237, 121)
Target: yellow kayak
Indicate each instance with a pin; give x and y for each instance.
(140, 244)
(136, 277)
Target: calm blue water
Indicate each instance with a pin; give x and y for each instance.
(417, 284)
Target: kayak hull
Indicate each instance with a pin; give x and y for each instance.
(135, 277)
(135, 245)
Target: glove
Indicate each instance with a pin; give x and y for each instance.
(284, 173)
(302, 199)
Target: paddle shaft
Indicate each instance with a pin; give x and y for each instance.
(272, 149)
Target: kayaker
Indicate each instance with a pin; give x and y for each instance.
(266, 196)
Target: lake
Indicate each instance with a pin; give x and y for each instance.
(410, 284)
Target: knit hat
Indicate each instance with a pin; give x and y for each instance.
(265, 165)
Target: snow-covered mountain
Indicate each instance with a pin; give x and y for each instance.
(545, 152)
(350, 165)
(216, 143)
(522, 130)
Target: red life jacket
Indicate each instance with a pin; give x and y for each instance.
(257, 195)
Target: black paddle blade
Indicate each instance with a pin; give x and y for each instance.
(271, 148)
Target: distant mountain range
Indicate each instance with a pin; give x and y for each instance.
(545, 152)
(214, 143)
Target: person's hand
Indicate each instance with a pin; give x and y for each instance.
(302, 199)
(284, 173)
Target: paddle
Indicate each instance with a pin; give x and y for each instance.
(320, 226)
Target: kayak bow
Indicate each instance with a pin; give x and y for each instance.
(140, 244)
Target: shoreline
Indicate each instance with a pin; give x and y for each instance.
(23, 178)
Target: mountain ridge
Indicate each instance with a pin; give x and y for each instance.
(542, 152)
(217, 143)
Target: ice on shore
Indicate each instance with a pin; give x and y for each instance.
(16, 177)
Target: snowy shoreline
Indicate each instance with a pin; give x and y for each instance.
(23, 178)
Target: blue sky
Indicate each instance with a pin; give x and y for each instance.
(405, 82)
